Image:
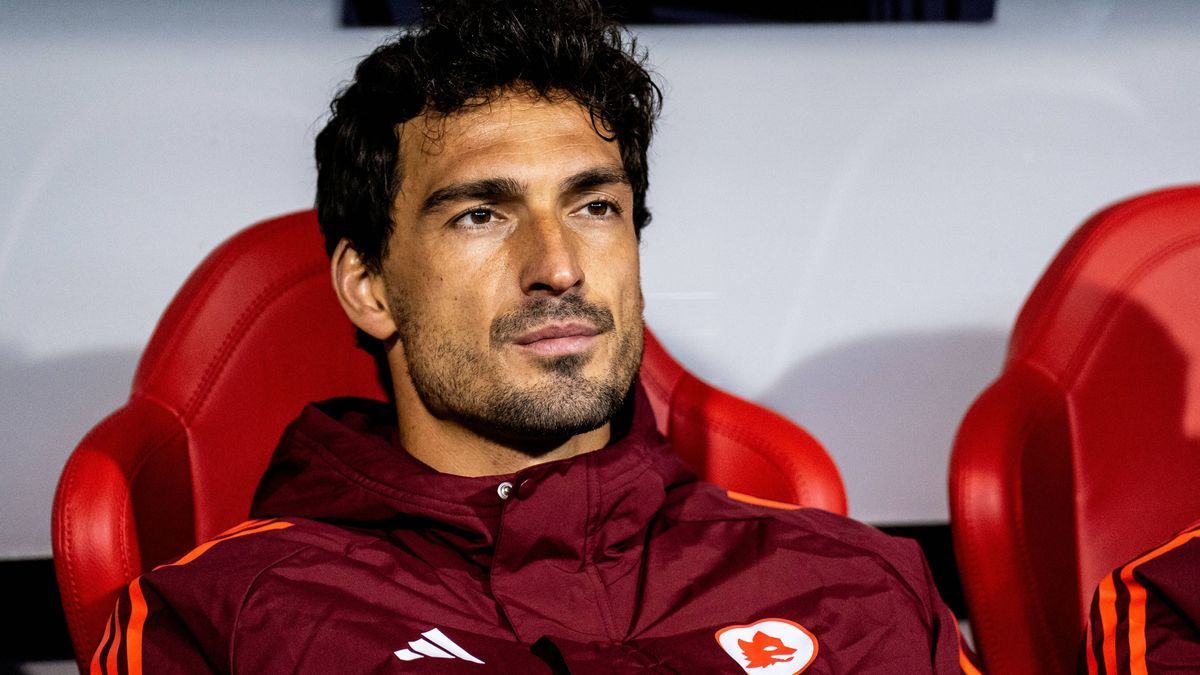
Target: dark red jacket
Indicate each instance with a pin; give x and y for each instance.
(362, 559)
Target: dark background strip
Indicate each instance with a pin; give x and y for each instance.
(381, 13)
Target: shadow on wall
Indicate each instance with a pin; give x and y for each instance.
(887, 408)
(46, 406)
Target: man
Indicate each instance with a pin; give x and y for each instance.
(1145, 615)
(481, 189)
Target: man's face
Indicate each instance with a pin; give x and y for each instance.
(512, 273)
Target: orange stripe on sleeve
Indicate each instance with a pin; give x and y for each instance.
(1107, 593)
(1137, 602)
(964, 662)
(137, 621)
(138, 610)
(245, 526)
(202, 548)
(759, 501)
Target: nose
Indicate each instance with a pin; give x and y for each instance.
(549, 254)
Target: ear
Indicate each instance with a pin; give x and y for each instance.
(361, 292)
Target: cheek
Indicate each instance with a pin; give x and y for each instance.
(625, 265)
(458, 295)
(614, 273)
(422, 294)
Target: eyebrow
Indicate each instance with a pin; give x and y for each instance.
(484, 189)
(604, 175)
(508, 189)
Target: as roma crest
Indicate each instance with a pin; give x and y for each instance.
(769, 646)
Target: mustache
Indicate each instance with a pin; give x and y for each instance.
(539, 311)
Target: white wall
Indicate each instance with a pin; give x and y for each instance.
(847, 218)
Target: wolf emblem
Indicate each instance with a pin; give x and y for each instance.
(769, 646)
(763, 650)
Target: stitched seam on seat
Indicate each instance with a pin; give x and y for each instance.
(251, 314)
(1120, 214)
(73, 607)
(227, 258)
(151, 446)
(661, 390)
(977, 552)
(1025, 557)
(1082, 353)
(658, 387)
(693, 414)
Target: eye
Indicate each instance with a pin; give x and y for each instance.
(601, 208)
(476, 218)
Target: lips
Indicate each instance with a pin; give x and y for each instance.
(557, 331)
(558, 339)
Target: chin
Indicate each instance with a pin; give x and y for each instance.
(570, 365)
(555, 407)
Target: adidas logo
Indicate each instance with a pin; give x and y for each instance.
(435, 645)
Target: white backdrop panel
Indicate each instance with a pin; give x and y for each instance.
(847, 218)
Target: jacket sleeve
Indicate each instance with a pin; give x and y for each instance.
(145, 634)
(1145, 614)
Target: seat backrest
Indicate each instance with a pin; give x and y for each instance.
(1084, 451)
(256, 333)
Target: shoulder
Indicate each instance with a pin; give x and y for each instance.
(1165, 572)
(1171, 567)
(813, 531)
(221, 570)
(179, 616)
(257, 540)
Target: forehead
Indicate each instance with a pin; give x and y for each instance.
(516, 134)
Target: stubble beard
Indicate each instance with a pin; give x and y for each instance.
(456, 380)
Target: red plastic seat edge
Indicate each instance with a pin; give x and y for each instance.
(986, 513)
(104, 469)
(809, 476)
(676, 395)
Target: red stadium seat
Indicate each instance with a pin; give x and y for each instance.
(253, 335)
(1084, 451)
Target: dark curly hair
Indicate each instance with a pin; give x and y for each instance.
(464, 54)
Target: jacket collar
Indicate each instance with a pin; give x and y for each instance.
(339, 462)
